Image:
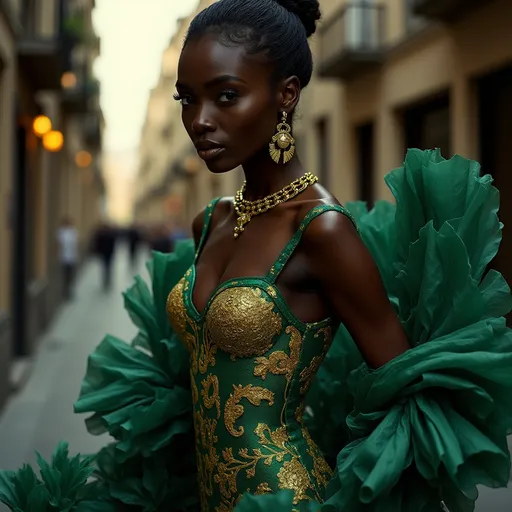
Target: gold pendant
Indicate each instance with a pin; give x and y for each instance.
(241, 221)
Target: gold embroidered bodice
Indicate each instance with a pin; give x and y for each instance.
(252, 362)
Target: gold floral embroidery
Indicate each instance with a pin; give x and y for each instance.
(273, 448)
(195, 393)
(308, 374)
(293, 475)
(214, 399)
(242, 322)
(208, 460)
(280, 363)
(226, 505)
(263, 488)
(208, 351)
(233, 410)
(321, 470)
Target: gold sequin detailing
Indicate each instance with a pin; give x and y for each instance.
(263, 488)
(211, 384)
(308, 374)
(280, 363)
(293, 475)
(233, 410)
(177, 312)
(272, 292)
(242, 322)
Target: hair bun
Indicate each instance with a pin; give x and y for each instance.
(307, 10)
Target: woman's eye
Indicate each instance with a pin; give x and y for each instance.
(183, 99)
(227, 96)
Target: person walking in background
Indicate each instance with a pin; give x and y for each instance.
(67, 237)
(104, 247)
(134, 238)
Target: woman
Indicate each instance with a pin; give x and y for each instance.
(240, 77)
(269, 278)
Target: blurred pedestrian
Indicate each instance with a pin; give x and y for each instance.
(160, 239)
(134, 237)
(67, 237)
(104, 248)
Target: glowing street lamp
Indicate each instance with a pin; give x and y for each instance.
(68, 80)
(83, 159)
(53, 141)
(41, 125)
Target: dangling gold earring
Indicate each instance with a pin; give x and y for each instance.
(284, 141)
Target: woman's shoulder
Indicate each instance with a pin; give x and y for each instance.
(217, 210)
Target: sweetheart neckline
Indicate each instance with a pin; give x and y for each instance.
(224, 285)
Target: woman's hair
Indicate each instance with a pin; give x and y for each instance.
(278, 29)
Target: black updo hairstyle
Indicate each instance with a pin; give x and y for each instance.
(278, 29)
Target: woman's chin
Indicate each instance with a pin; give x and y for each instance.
(220, 167)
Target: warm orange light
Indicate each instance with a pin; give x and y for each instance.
(68, 80)
(41, 125)
(83, 159)
(53, 141)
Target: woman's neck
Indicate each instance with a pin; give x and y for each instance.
(263, 176)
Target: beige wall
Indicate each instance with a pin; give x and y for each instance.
(420, 63)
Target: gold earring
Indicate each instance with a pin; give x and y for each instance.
(282, 142)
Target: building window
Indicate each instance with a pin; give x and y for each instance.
(427, 125)
(365, 156)
(322, 135)
(413, 22)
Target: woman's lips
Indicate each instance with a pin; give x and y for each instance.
(209, 154)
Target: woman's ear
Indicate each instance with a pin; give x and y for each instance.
(289, 94)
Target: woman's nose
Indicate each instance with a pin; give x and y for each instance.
(203, 122)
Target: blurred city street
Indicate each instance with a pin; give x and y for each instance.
(41, 414)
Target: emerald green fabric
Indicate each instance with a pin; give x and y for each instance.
(252, 363)
(426, 428)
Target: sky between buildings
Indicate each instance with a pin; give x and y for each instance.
(133, 35)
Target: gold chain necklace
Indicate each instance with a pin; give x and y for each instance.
(246, 210)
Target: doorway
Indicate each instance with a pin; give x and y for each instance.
(427, 125)
(365, 162)
(495, 135)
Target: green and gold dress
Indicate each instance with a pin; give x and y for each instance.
(243, 407)
(252, 363)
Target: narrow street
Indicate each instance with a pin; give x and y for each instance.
(41, 414)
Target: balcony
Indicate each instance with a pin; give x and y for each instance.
(77, 100)
(352, 41)
(92, 126)
(445, 10)
(44, 53)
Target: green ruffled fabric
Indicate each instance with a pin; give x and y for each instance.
(59, 487)
(140, 394)
(432, 424)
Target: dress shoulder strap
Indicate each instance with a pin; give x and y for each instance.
(208, 212)
(287, 252)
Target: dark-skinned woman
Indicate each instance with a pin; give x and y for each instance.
(317, 356)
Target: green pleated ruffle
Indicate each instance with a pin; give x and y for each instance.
(431, 425)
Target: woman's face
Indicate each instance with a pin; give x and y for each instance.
(229, 108)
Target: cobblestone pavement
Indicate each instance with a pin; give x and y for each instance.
(41, 414)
